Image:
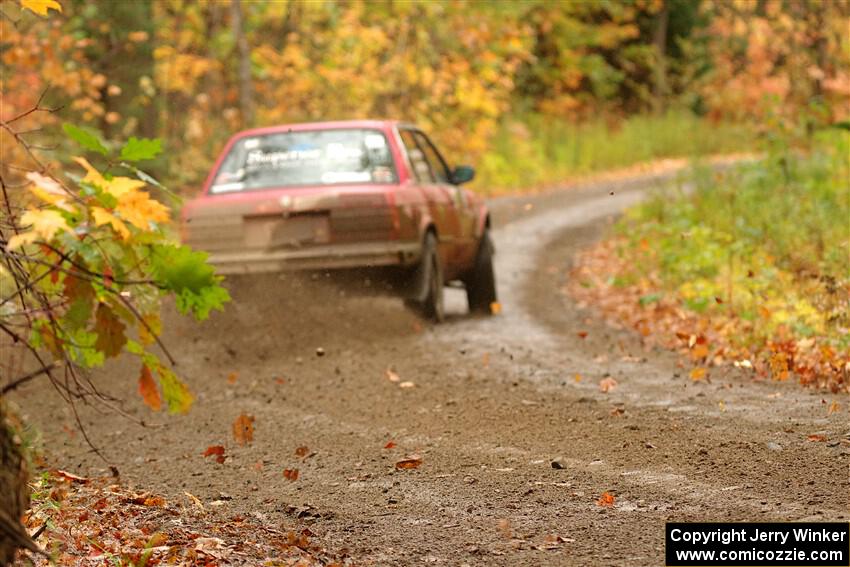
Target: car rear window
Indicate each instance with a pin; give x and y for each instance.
(312, 157)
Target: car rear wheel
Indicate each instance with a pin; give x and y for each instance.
(431, 306)
(481, 283)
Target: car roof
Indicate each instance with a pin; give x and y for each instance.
(331, 125)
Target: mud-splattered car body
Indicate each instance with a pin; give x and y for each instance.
(353, 194)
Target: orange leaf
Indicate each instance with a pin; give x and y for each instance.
(699, 351)
(290, 474)
(232, 377)
(833, 407)
(389, 445)
(411, 463)
(816, 437)
(582, 334)
(70, 476)
(302, 452)
(217, 451)
(698, 373)
(606, 500)
(607, 384)
(148, 389)
(495, 308)
(577, 377)
(243, 429)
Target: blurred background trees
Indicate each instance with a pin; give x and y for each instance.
(481, 77)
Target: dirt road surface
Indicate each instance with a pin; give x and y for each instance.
(494, 401)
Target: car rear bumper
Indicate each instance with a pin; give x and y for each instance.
(331, 256)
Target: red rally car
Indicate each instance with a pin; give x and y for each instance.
(356, 194)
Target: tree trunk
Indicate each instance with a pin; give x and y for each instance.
(660, 44)
(246, 90)
(14, 492)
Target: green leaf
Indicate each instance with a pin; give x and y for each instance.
(176, 394)
(140, 149)
(187, 274)
(85, 138)
(843, 125)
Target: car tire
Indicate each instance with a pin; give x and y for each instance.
(431, 305)
(481, 282)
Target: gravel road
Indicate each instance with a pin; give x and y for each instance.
(515, 451)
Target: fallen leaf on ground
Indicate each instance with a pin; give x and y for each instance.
(410, 463)
(216, 451)
(606, 500)
(70, 476)
(290, 474)
(232, 377)
(578, 377)
(392, 376)
(302, 452)
(607, 384)
(243, 429)
(495, 308)
(504, 527)
(698, 373)
(816, 437)
(616, 412)
(833, 407)
(407, 384)
(699, 351)
(582, 334)
(195, 500)
(389, 445)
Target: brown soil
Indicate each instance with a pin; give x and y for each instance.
(495, 401)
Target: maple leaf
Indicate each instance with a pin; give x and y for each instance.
(101, 217)
(243, 429)
(45, 224)
(110, 331)
(41, 7)
(290, 474)
(216, 451)
(137, 208)
(148, 389)
(606, 500)
(698, 373)
(49, 191)
(175, 392)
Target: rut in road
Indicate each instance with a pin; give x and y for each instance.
(494, 402)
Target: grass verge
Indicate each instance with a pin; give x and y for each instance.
(535, 151)
(751, 268)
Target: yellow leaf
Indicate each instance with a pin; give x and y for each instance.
(93, 176)
(45, 224)
(138, 208)
(41, 7)
(155, 324)
(101, 217)
(119, 186)
(698, 373)
(19, 240)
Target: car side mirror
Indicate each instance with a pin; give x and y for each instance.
(463, 174)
